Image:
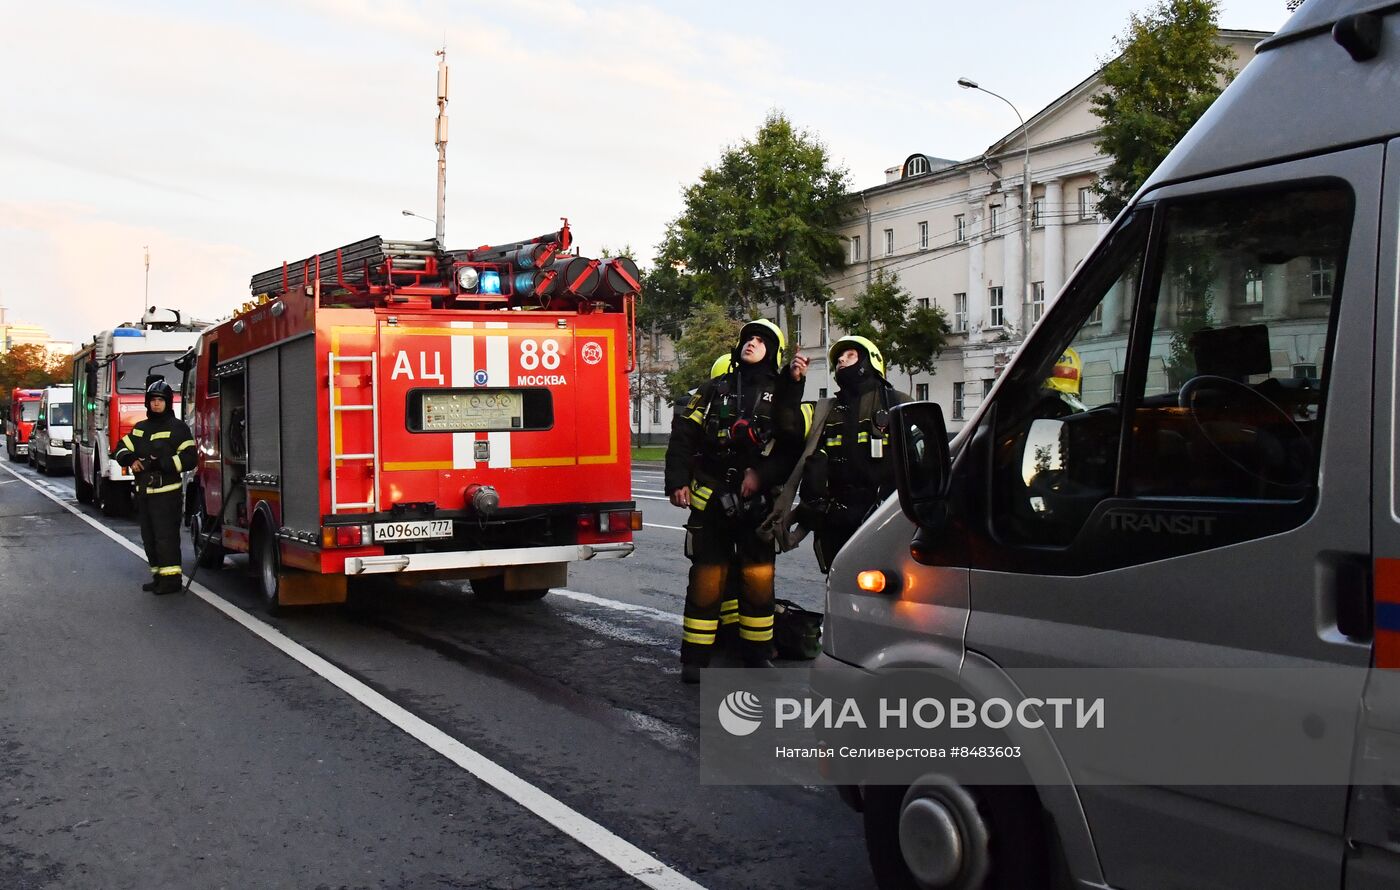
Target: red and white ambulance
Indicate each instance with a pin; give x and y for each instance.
(110, 372)
(391, 407)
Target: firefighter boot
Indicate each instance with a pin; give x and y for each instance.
(168, 583)
(150, 585)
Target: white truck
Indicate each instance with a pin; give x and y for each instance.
(51, 445)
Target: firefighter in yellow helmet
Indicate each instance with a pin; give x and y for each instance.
(851, 472)
(733, 445)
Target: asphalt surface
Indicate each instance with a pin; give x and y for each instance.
(153, 742)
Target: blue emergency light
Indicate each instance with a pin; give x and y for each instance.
(127, 332)
(490, 282)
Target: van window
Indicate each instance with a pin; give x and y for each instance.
(60, 414)
(1058, 424)
(1221, 411)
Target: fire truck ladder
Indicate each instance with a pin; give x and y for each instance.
(373, 408)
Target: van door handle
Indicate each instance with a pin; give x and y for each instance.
(1344, 587)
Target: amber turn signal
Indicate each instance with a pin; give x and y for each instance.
(872, 581)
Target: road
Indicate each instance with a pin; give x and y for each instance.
(427, 739)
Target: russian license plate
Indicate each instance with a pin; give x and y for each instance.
(417, 530)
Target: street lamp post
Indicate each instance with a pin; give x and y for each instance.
(967, 84)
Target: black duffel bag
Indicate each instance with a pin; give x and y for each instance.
(797, 632)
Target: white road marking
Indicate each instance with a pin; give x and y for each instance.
(679, 528)
(647, 497)
(632, 860)
(617, 605)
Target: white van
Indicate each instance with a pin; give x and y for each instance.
(51, 445)
(1228, 497)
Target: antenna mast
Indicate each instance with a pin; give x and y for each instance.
(441, 142)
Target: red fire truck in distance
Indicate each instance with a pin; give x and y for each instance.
(20, 415)
(391, 407)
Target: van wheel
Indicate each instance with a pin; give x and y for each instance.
(267, 571)
(82, 488)
(939, 835)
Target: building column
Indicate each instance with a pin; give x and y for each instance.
(1012, 277)
(1054, 239)
(976, 280)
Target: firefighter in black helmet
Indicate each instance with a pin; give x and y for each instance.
(158, 450)
(737, 441)
(851, 472)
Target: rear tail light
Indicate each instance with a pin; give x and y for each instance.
(619, 521)
(345, 535)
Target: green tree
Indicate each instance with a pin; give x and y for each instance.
(1170, 68)
(761, 226)
(31, 367)
(912, 338)
(708, 331)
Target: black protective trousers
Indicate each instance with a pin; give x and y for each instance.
(716, 546)
(159, 515)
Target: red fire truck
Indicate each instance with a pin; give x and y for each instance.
(392, 407)
(23, 410)
(110, 374)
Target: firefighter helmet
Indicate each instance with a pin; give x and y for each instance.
(159, 389)
(877, 359)
(723, 365)
(762, 327)
(1067, 373)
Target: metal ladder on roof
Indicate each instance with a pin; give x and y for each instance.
(335, 410)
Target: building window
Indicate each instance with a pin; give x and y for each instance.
(993, 219)
(917, 167)
(960, 227)
(1037, 212)
(1324, 276)
(1096, 317)
(821, 393)
(889, 242)
(957, 401)
(921, 302)
(987, 384)
(921, 392)
(855, 248)
(1253, 287)
(960, 313)
(996, 307)
(1088, 204)
(923, 236)
(1305, 372)
(1037, 300)
(1118, 378)
(656, 410)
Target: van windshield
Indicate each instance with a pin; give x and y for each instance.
(132, 368)
(28, 411)
(60, 414)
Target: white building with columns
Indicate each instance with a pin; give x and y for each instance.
(953, 233)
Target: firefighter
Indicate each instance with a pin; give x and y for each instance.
(736, 442)
(851, 472)
(158, 450)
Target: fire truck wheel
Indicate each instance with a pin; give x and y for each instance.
(82, 487)
(493, 589)
(112, 500)
(209, 554)
(266, 570)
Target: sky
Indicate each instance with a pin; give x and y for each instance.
(228, 137)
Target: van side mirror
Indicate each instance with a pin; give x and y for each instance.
(919, 439)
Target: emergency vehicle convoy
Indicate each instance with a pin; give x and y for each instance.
(23, 410)
(392, 407)
(109, 391)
